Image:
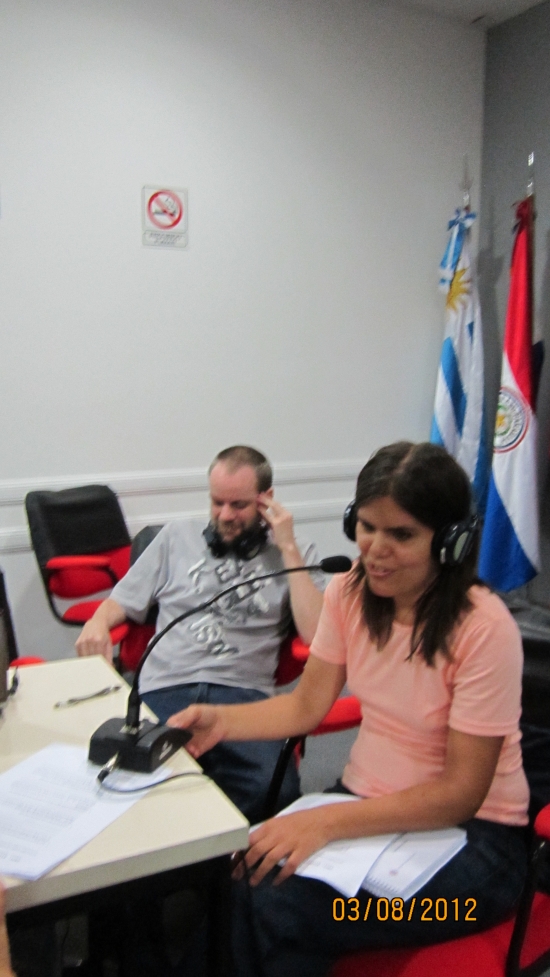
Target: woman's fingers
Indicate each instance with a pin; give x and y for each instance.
(204, 723)
(284, 842)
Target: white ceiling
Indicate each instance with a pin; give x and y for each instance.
(489, 12)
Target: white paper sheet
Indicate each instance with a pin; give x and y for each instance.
(309, 801)
(51, 805)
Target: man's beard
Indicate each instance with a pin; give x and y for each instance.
(245, 531)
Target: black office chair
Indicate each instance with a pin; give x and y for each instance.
(82, 546)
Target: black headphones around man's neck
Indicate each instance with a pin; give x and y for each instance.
(245, 547)
(450, 545)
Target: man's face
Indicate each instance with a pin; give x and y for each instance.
(233, 500)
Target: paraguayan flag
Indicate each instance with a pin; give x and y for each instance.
(509, 553)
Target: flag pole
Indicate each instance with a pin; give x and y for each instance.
(466, 184)
(536, 339)
(530, 192)
(531, 175)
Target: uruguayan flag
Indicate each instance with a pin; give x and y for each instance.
(459, 410)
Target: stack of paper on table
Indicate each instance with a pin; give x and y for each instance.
(51, 805)
(386, 865)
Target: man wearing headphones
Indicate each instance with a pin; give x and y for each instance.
(229, 653)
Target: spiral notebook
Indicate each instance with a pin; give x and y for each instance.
(411, 860)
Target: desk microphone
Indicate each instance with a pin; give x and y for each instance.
(140, 745)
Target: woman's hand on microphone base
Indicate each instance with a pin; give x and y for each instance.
(206, 725)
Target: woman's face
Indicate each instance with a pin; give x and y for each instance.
(396, 554)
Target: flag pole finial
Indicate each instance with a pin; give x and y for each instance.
(531, 174)
(466, 184)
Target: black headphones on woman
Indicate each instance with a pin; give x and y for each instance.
(450, 545)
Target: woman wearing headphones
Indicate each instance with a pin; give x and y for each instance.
(435, 659)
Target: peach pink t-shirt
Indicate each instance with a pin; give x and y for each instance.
(409, 706)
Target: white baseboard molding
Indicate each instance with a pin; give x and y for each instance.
(175, 481)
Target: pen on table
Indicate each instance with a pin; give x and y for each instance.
(83, 698)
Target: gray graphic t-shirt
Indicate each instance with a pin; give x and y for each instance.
(236, 641)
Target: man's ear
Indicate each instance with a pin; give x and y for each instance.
(269, 492)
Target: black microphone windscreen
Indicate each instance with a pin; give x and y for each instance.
(335, 564)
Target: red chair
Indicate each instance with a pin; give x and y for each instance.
(82, 546)
(292, 658)
(133, 645)
(27, 660)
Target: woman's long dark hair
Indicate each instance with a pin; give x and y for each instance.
(425, 481)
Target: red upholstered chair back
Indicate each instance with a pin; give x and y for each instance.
(134, 644)
(292, 658)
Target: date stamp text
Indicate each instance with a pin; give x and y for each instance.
(426, 910)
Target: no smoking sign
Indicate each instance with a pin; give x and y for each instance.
(164, 217)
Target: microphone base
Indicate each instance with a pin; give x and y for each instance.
(141, 752)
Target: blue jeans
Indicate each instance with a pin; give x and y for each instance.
(290, 930)
(242, 770)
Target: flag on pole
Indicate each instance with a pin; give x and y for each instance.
(459, 410)
(509, 554)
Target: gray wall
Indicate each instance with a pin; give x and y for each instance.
(516, 122)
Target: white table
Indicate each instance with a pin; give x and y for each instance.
(177, 824)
